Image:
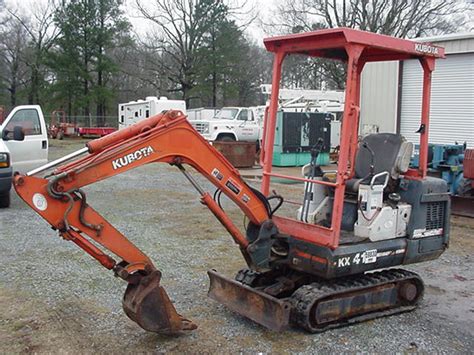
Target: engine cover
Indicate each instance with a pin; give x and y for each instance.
(387, 223)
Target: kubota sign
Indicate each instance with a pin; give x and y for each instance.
(130, 158)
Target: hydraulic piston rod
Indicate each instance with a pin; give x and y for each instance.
(56, 162)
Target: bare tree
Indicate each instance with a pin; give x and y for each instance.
(13, 72)
(181, 26)
(41, 36)
(141, 71)
(401, 18)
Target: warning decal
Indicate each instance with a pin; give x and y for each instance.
(233, 186)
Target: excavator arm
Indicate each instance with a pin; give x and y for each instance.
(168, 138)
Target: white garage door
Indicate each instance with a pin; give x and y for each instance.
(452, 100)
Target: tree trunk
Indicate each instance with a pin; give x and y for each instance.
(14, 83)
(12, 90)
(33, 92)
(100, 108)
(100, 101)
(214, 74)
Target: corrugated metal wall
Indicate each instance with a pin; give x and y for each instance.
(452, 97)
(379, 96)
(457, 46)
(452, 100)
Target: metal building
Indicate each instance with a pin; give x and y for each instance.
(391, 94)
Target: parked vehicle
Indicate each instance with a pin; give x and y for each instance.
(135, 111)
(24, 145)
(202, 113)
(246, 123)
(230, 124)
(59, 127)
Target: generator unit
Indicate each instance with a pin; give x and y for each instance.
(297, 133)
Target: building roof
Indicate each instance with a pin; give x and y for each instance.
(454, 43)
(447, 37)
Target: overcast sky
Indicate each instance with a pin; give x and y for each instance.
(263, 7)
(141, 26)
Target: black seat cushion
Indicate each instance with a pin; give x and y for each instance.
(386, 147)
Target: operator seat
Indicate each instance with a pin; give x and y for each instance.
(387, 152)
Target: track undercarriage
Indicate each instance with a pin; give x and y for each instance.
(296, 299)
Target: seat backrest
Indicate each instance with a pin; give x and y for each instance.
(392, 154)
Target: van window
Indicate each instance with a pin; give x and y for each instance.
(27, 119)
(147, 113)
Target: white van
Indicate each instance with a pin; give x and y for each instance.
(23, 145)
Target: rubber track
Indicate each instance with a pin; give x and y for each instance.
(247, 276)
(306, 296)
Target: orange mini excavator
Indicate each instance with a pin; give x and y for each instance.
(316, 271)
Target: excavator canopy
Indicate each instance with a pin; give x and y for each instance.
(332, 43)
(356, 48)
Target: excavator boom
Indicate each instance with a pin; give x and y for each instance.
(168, 138)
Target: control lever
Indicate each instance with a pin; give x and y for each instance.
(315, 170)
(372, 159)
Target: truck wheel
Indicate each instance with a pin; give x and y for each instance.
(60, 135)
(225, 139)
(5, 200)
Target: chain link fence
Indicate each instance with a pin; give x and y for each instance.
(86, 121)
(93, 121)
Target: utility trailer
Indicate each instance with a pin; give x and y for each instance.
(134, 111)
(95, 131)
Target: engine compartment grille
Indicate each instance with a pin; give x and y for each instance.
(200, 127)
(435, 215)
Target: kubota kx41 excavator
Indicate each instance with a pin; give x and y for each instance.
(314, 271)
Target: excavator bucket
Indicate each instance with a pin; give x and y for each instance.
(147, 303)
(249, 302)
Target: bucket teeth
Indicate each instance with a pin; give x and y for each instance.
(147, 303)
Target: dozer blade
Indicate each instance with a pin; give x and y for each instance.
(147, 303)
(251, 303)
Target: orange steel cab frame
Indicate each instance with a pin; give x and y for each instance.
(356, 48)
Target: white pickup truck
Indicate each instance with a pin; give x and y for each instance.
(23, 145)
(230, 124)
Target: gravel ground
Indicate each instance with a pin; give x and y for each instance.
(55, 298)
